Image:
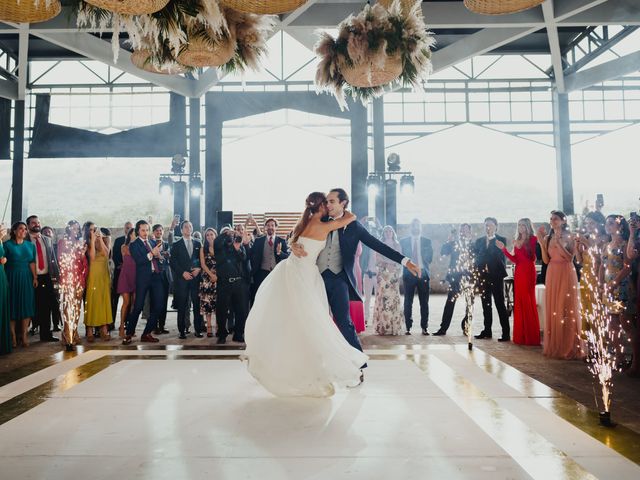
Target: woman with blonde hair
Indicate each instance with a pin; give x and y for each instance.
(526, 324)
(388, 316)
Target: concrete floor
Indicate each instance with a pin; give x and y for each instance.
(571, 378)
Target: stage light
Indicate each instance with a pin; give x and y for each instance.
(393, 162)
(407, 184)
(373, 184)
(195, 186)
(178, 162)
(166, 186)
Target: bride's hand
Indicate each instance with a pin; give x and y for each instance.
(350, 217)
(298, 250)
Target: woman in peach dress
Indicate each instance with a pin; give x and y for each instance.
(563, 326)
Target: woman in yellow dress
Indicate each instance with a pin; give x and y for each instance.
(97, 308)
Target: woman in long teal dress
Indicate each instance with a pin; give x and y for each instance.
(21, 278)
(5, 330)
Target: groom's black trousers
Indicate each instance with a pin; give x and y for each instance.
(337, 287)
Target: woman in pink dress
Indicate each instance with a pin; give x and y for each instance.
(356, 308)
(563, 327)
(526, 325)
(127, 281)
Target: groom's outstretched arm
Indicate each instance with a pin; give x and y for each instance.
(377, 246)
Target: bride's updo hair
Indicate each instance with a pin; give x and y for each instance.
(312, 204)
(314, 201)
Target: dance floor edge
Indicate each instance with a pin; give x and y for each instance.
(437, 413)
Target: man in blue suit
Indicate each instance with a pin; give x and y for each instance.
(420, 251)
(337, 259)
(146, 252)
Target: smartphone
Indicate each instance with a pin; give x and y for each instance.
(600, 198)
(634, 217)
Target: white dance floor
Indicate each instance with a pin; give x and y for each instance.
(448, 415)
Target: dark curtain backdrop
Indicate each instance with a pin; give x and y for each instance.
(56, 141)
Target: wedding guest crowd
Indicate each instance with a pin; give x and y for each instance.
(50, 286)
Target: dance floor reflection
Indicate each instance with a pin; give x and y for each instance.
(436, 412)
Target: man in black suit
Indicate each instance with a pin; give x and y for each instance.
(264, 254)
(185, 264)
(166, 277)
(116, 256)
(233, 291)
(419, 250)
(491, 266)
(457, 244)
(47, 273)
(146, 253)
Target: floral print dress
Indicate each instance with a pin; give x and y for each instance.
(388, 317)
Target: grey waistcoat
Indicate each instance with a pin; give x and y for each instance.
(268, 256)
(331, 257)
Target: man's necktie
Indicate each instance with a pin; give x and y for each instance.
(40, 255)
(154, 261)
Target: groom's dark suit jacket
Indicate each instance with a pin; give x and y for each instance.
(350, 236)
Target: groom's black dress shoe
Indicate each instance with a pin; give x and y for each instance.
(424, 331)
(182, 336)
(407, 332)
(483, 335)
(221, 340)
(198, 334)
(439, 333)
(504, 339)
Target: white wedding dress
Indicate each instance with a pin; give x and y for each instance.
(293, 346)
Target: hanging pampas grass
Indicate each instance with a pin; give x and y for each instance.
(381, 46)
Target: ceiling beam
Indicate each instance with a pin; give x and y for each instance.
(291, 17)
(478, 43)
(96, 49)
(554, 45)
(614, 12)
(206, 80)
(606, 71)
(569, 8)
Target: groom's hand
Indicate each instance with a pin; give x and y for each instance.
(298, 250)
(413, 268)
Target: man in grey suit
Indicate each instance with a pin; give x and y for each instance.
(47, 272)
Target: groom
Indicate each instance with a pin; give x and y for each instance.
(337, 259)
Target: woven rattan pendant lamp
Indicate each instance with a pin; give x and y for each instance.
(500, 7)
(262, 7)
(29, 11)
(130, 7)
(141, 59)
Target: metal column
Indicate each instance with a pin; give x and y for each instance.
(17, 183)
(359, 159)
(194, 160)
(562, 141)
(378, 153)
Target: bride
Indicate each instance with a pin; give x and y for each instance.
(293, 346)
